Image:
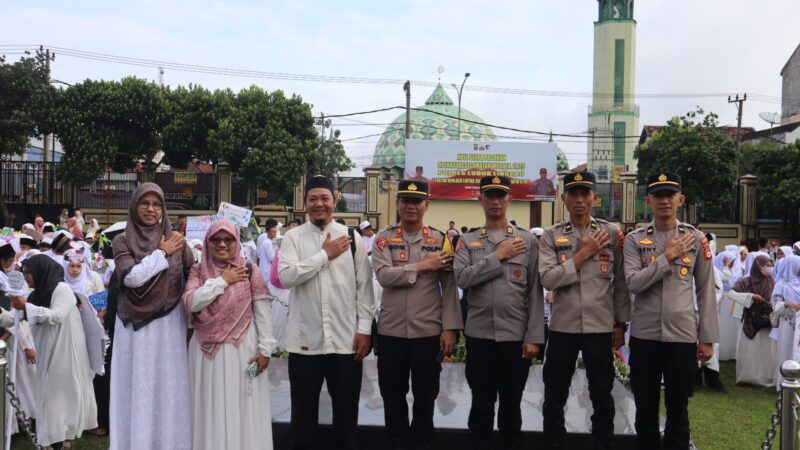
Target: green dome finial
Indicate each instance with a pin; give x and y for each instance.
(439, 97)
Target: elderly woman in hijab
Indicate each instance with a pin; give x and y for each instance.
(755, 353)
(150, 403)
(230, 348)
(65, 405)
(785, 304)
(729, 266)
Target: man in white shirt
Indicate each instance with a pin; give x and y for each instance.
(367, 235)
(330, 320)
(266, 247)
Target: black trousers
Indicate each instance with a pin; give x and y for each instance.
(676, 362)
(559, 366)
(343, 377)
(421, 358)
(496, 369)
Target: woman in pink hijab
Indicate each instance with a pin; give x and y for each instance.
(230, 308)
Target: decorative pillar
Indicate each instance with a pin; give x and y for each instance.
(747, 205)
(224, 187)
(629, 192)
(373, 176)
(561, 213)
(299, 200)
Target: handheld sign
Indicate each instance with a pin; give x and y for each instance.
(236, 214)
(99, 301)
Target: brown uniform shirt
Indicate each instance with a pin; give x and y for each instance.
(664, 303)
(413, 305)
(590, 300)
(505, 298)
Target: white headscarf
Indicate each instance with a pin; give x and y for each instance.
(82, 283)
(789, 286)
(751, 258)
(731, 248)
(785, 249)
(796, 246)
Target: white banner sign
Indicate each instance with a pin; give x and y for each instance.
(236, 214)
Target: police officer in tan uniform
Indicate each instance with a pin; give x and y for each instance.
(581, 261)
(667, 264)
(505, 316)
(419, 315)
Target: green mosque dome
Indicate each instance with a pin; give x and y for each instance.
(390, 152)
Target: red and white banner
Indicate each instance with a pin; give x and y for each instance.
(454, 169)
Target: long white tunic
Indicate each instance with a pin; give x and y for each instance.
(229, 410)
(65, 404)
(729, 327)
(150, 403)
(783, 335)
(755, 358)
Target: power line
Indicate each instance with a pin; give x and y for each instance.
(215, 70)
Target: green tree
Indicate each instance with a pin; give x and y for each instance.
(196, 115)
(705, 158)
(25, 103)
(331, 158)
(113, 124)
(269, 139)
(778, 188)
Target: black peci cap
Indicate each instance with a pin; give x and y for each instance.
(495, 183)
(413, 189)
(579, 179)
(664, 181)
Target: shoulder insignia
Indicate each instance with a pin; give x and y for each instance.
(593, 225)
(568, 227)
(646, 241)
(681, 229)
(650, 231)
(425, 231)
(707, 255)
(472, 229)
(562, 240)
(509, 230)
(484, 231)
(380, 243)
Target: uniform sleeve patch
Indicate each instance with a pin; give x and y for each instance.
(380, 244)
(707, 255)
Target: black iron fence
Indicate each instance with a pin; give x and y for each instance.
(113, 190)
(26, 182)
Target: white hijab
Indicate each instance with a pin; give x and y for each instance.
(789, 285)
(82, 283)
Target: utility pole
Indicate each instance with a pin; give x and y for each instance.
(407, 89)
(46, 142)
(740, 109)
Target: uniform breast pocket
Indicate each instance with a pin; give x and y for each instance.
(517, 273)
(604, 264)
(684, 266)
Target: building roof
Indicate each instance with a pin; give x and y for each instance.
(648, 130)
(768, 132)
(436, 120)
(795, 57)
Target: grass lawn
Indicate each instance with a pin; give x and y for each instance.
(733, 421)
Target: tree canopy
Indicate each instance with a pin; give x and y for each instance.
(706, 159)
(331, 158)
(26, 102)
(778, 188)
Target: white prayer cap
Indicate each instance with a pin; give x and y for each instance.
(537, 231)
(364, 225)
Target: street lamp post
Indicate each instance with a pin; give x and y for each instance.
(459, 90)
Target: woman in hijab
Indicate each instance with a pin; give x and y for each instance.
(94, 227)
(729, 266)
(785, 303)
(72, 227)
(230, 309)
(63, 219)
(783, 252)
(79, 221)
(65, 405)
(150, 403)
(755, 353)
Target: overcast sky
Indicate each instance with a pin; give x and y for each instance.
(683, 47)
